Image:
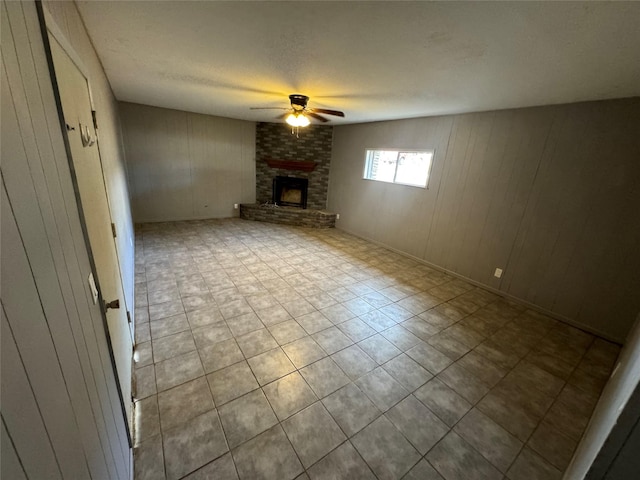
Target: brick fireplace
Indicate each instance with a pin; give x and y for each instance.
(280, 154)
(292, 172)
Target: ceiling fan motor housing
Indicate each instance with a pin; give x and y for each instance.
(298, 100)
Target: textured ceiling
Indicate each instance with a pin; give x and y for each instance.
(373, 60)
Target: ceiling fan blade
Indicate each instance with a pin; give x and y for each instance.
(316, 116)
(282, 116)
(269, 108)
(328, 112)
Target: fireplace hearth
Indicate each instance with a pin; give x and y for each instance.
(267, 212)
(290, 191)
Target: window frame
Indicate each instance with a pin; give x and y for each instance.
(367, 167)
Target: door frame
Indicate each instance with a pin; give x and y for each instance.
(49, 26)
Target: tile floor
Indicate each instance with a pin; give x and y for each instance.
(266, 351)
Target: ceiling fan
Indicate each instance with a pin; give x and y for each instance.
(298, 114)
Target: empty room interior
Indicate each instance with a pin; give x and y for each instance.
(320, 240)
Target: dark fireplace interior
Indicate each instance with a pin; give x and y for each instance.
(290, 191)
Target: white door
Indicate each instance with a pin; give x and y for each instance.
(76, 107)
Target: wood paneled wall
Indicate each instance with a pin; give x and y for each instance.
(185, 166)
(548, 194)
(61, 413)
(67, 19)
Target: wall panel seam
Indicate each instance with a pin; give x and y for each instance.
(44, 424)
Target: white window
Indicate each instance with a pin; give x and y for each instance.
(405, 167)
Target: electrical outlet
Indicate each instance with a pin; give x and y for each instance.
(337, 216)
(235, 206)
(498, 273)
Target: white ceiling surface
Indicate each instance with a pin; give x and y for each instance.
(373, 60)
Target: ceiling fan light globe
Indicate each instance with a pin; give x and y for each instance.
(303, 121)
(297, 120)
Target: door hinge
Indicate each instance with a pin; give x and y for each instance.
(128, 316)
(113, 230)
(95, 121)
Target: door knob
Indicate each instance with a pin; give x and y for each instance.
(112, 304)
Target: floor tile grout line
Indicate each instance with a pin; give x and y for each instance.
(521, 359)
(526, 442)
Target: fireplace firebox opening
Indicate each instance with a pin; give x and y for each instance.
(290, 191)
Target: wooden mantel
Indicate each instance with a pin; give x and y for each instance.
(301, 166)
